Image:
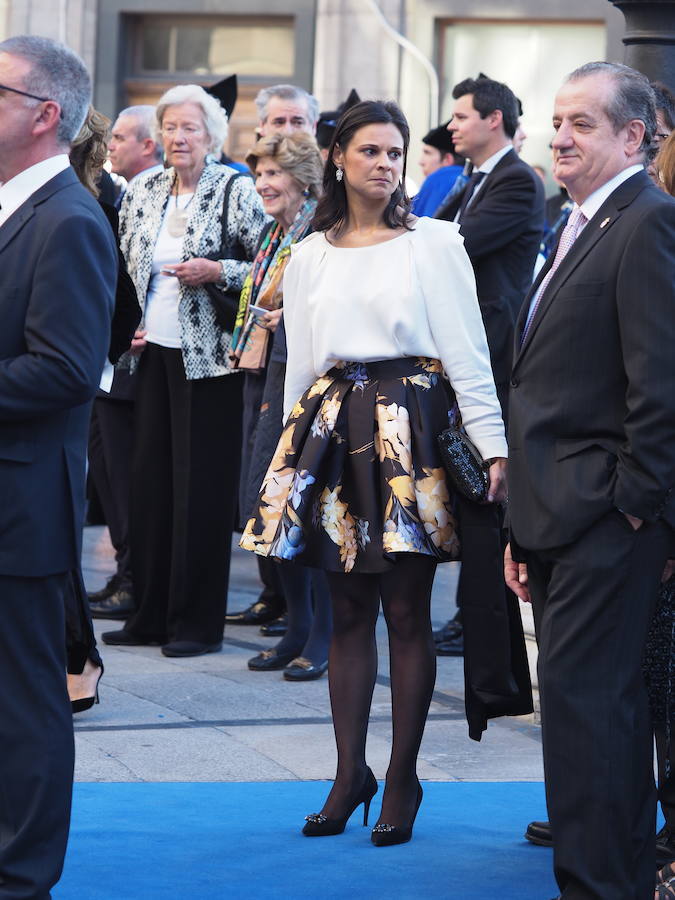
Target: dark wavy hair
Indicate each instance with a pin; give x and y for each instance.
(332, 208)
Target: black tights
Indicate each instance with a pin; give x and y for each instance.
(405, 592)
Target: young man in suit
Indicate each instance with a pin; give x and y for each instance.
(591, 474)
(501, 217)
(58, 268)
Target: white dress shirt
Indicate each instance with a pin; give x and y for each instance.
(589, 208)
(413, 295)
(17, 190)
(593, 203)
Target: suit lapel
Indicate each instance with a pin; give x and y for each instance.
(596, 229)
(14, 224)
(505, 161)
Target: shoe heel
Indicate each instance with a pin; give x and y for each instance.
(366, 811)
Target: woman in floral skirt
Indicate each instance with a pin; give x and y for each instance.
(384, 337)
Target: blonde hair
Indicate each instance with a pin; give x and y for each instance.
(90, 149)
(664, 165)
(215, 117)
(297, 153)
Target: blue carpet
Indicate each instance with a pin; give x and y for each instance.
(234, 840)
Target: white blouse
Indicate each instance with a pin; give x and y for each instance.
(414, 295)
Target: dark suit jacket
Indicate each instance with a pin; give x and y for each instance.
(127, 312)
(58, 267)
(592, 403)
(502, 230)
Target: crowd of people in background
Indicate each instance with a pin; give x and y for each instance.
(206, 319)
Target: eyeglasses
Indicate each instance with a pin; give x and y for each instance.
(6, 87)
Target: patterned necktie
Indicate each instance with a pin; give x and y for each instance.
(570, 233)
(471, 185)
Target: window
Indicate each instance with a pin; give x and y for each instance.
(531, 57)
(206, 46)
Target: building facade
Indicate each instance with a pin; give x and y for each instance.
(138, 48)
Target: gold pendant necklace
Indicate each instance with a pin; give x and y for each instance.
(176, 221)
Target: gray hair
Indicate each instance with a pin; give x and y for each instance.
(215, 117)
(58, 74)
(145, 117)
(287, 92)
(633, 97)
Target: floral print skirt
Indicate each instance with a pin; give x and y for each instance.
(357, 477)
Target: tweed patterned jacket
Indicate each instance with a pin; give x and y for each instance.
(204, 345)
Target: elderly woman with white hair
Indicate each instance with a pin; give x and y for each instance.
(185, 464)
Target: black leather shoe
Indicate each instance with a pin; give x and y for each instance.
(118, 605)
(453, 647)
(190, 648)
(665, 847)
(277, 628)
(112, 585)
(269, 660)
(450, 630)
(258, 613)
(302, 669)
(124, 638)
(540, 833)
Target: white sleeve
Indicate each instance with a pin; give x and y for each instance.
(299, 365)
(456, 325)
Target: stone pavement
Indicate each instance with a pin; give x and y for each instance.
(211, 719)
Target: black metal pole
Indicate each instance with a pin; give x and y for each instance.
(650, 38)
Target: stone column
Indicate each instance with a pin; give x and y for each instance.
(71, 21)
(650, 38)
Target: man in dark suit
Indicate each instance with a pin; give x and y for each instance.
(134, 153)
(591, 473)
(501, 217)
(500, 212)
(58, 266)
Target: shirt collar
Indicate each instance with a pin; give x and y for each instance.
(593, 203)
(492, 161)
(17, 190)
(146, 173)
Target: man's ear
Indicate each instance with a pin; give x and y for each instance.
(47, 118)
(635, 133)
(496, 119)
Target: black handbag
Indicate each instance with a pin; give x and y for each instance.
(466, 469)
(225, 302)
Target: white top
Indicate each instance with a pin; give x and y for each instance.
(414, 295)
(161, 304)
(17, 190)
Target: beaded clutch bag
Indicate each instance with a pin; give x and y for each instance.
(467, 472)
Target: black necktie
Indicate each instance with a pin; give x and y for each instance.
(471, 184)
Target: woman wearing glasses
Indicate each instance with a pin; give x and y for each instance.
(188, 404)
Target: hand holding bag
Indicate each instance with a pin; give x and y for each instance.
(467, 471)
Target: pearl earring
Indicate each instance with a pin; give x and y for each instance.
(339, 174)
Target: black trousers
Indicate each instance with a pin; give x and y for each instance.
(36, 736)
(185, 471)
(110, 447)
(593, 602)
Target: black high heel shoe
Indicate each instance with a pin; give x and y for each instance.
(87, 702)
(318, 825)
(384, 835)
